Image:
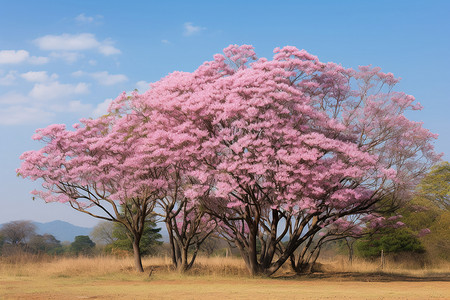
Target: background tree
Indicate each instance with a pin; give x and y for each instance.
(102, 233)
(435, 187)
(17, 233)
(425, 218)
(428, 214)
(390, 241)
(151, 238)
(45, 243)
(82, 245)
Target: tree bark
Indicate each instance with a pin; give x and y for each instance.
(137, 255)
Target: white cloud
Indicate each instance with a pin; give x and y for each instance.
(40, 76)
(82, 18)
(142, 86)
(78, 106)
(165, 41)
(92, 62)
(38, 60)
(9, 78)
(74, 106)
(69, 57)
(55, 90)
(13, 98)
(78, 73)
(190, 29)
(44, 102)
(67, 42)
(107, 50)
(13, 56)
(102, 108)
(75, 42)
(20, 56)
(103, 78)
(15, 115)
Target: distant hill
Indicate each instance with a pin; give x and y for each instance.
(61, 230)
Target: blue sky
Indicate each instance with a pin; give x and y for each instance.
(64, 60)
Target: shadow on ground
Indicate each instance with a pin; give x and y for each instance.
(367, 277)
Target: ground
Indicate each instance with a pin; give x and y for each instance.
(200, 287)
(115, 279)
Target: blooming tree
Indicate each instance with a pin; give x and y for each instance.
(118, 168)
(98, 170)
(168, 150)
(272, 150)
(285, 147)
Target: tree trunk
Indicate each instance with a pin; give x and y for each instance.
(137, 255)
(173, 251)
(183, 264)
(249, 253)
(350, 251)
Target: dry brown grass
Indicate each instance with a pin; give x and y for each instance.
(32, 265)
(63, 266)
(108, 277)
(405, 267)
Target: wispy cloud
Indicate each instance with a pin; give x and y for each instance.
(108, 49)
(69, 57)
(20, 56)
(74, 106)
(40, 76)
(84, 19)
(43, 103)
(190, 29)
(38, 60)
(8, 78)
(18, 115)
(13, 56)
(56, 90)
(13, 98)
(20, 109)
(103, 77)
(71, 43)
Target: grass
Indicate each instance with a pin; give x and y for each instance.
(211, 278)
(403, 268)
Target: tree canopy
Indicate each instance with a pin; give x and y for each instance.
(267, 150)
(82, 245)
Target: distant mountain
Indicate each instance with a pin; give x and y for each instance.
(61, 230)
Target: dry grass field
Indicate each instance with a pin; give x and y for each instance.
(212, 278)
